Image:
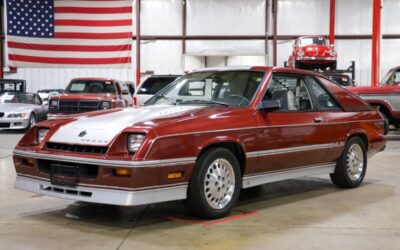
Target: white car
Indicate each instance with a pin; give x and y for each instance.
(152, 86)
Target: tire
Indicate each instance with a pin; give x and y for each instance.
(297, 64)
(351, 174)
(204, 196)
(333, 65)
(32, 121)
(386, 123)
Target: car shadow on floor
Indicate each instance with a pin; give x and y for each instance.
(258, 199)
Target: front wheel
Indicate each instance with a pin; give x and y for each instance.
(352, 165)
(215, 184)
(31, 122)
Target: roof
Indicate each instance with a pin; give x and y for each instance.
(95, 79)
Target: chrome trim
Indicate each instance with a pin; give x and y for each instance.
(102, 162)
(290, 150)
(300, 58)
(60, 116)
(274, 176)
(103, 196)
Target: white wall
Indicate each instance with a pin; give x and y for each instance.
(239, 17)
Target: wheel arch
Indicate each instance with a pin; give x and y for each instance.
(361, 134)
(233, 145)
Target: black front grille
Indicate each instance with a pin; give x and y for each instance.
(64, 169)
(78, 106)
(1, 114)
(4, 125)
(77, 148)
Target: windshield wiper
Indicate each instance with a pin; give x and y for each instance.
(167, 98)
(205, 102)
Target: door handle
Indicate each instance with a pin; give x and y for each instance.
(318, 119)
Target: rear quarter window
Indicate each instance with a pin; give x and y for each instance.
(348, 101)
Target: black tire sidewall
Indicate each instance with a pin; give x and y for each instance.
(386, 122)
(29, 123)
(196, 195)
(343, 162)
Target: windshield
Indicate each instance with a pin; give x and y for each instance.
(391, 78)
(312, 41)
(228, 88)
(88, 86)
(152, 85)
(18, 98)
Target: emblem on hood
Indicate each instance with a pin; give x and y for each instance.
(83, 133)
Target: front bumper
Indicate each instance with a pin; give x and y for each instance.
(316, 58)
(101, 195)
(13, 123)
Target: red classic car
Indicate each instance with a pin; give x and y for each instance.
(386, 96)
(204, 138)
(87, 94)
(312, 52)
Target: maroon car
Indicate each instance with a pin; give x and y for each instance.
(85, 95)
(203, 138)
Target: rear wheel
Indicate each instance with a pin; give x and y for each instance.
(352, 165)
(215, 184)
(31, 122)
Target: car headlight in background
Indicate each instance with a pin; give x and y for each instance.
(54, 103)
(41, 134)
(332, 53)
(18, 115)
(134, 142)
(105, 105)
(300, 53)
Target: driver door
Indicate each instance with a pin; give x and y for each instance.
(294, 135)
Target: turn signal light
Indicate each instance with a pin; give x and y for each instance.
(122, 172)
(175, 175)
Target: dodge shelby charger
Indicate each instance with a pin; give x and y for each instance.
(202, 139)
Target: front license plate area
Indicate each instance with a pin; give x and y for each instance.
(64, 175)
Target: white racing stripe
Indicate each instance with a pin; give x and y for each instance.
(102, 129)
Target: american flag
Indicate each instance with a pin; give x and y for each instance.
(65, 33)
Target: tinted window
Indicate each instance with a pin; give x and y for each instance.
(324, 100)
(290, 91)
(312, 41)
(153, 85)
(88, 86)
(18, 98)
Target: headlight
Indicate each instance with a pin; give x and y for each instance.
(54, 103)
(105, 105)
(332, 53)
(42, 134)
(134, 142)
(300, 53)
(18, 115)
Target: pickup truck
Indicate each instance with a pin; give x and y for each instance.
(88, 94)
(385, 96)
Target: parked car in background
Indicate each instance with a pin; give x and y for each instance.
(312, 52)
(203, 138)
(45, 94)
(385, 96)
(12, 85)
(20, 110)
(151, 86)
(341, 79)
(85, 95)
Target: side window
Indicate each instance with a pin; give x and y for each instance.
(291, 93)
(324, 101)
(193, 89)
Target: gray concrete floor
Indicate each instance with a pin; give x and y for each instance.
(307, 213)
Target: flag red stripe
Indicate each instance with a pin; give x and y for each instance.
(58, 60)
(78, 35)
(69, 22)
(85, 48)
(83, 10)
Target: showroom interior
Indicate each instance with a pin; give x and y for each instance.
(127, 161)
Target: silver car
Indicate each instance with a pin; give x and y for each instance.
(21, 110)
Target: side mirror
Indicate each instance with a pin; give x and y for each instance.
(269, 105)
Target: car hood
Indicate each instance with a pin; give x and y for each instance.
(102, 129)
(72, 96)
(15, 107)
(315, 50)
